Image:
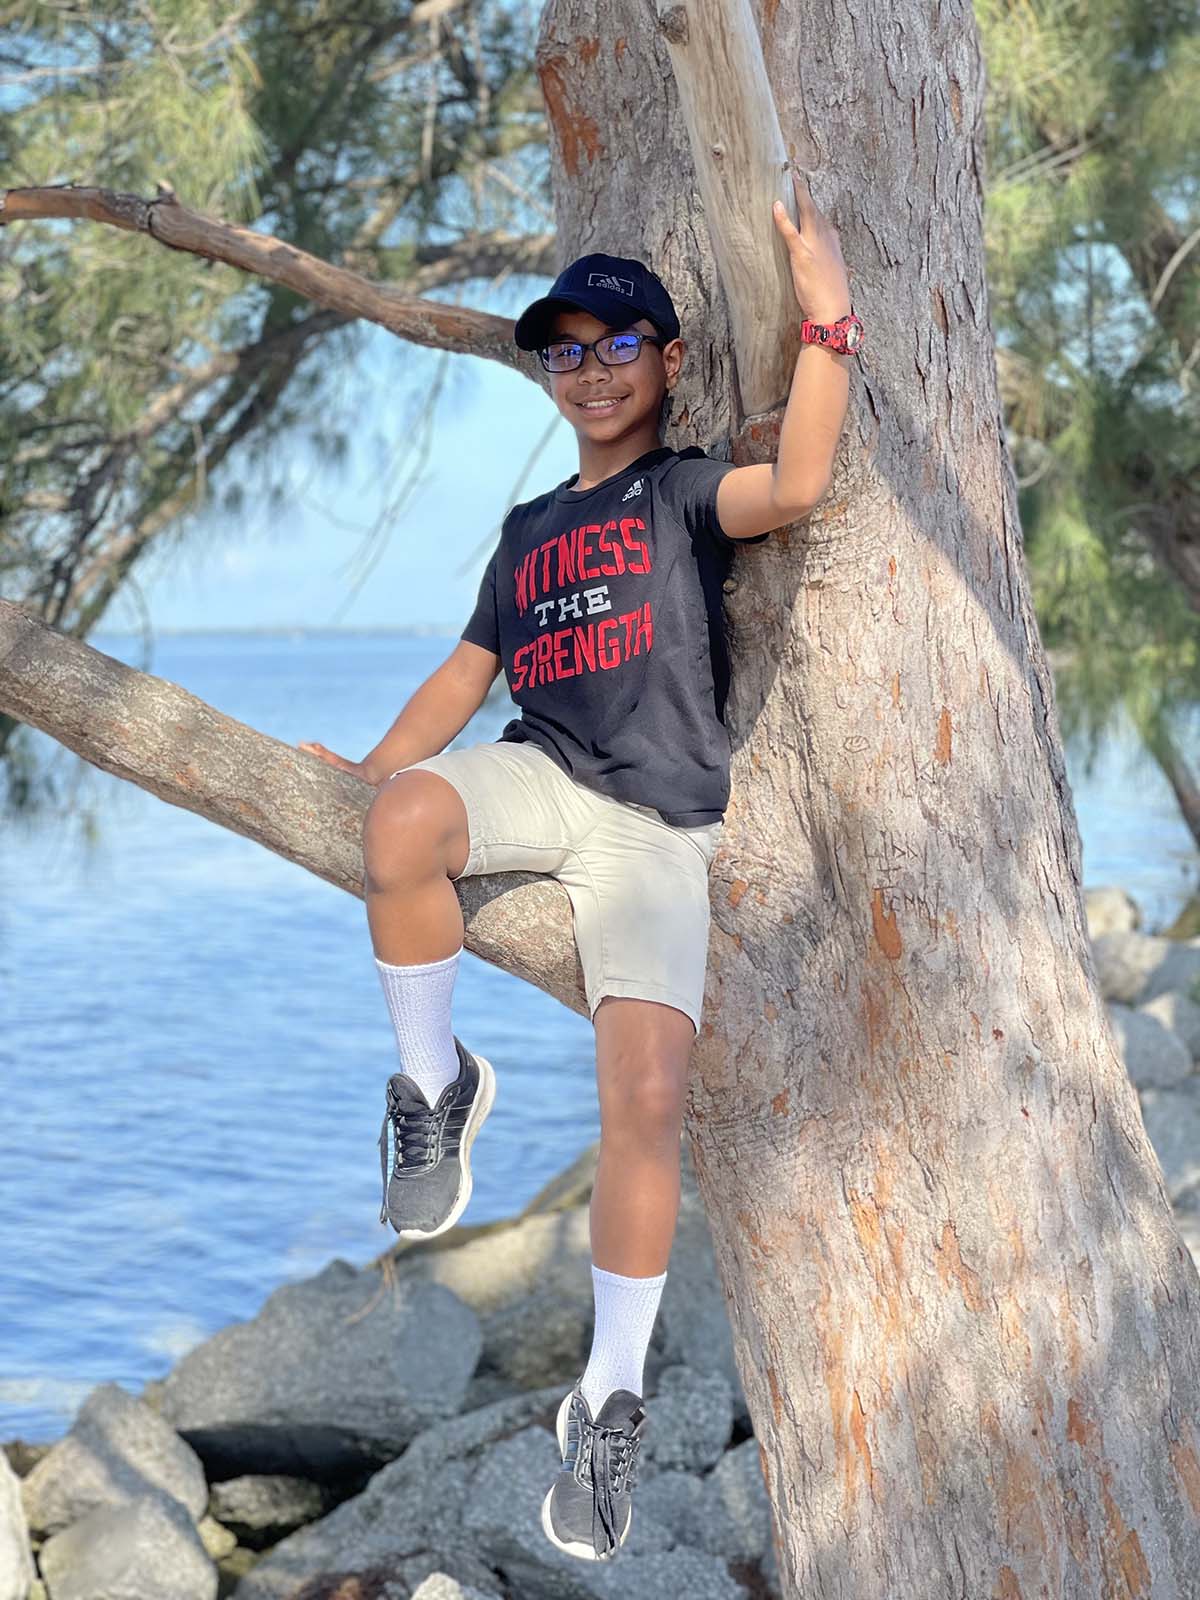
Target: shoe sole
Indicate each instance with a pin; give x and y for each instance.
(574, 1547)
(479, 1111)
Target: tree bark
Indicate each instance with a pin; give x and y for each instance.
(965, 1320)
(963, 1314)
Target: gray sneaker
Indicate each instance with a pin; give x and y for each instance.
(430, 1180)
(590, 1506)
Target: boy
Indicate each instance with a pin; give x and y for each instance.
(602, 601)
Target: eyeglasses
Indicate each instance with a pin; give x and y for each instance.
(613, 350)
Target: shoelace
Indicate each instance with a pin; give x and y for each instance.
(611, 1455)
(416, 1133)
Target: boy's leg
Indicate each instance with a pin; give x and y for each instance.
(640, 897)
(478, 809)
(415, 837)
(642, 1053)
(489, 807)
(639, 892)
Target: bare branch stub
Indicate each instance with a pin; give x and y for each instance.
(673, 24)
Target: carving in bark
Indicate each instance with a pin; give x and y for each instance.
(965, 1320)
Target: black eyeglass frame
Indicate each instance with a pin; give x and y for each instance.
(625, 333)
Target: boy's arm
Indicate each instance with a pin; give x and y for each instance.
(769, 495)
(436, 712)
(772, 494)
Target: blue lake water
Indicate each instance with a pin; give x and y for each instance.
(194, 1041)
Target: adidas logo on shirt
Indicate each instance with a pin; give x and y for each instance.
(634, 489)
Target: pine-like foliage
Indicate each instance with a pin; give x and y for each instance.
(1093, 237)
(404, 140)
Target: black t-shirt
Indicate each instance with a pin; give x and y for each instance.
(605, 606)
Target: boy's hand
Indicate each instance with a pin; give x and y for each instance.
(355, 768)
(815, 252)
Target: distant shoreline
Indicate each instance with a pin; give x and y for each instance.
(416, 630)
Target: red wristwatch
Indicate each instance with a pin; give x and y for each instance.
(843, 336)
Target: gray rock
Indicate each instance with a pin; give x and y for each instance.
(542, 1337)
(439, 1586)
(769, 1568)
(16, 1562)
(690, 1420)
(151, 1394)
(217, 1539)
(1172, 1121)
(144, 1549)
(333, 1374)
(409, 1517)
(1124, 963)
(375, 1531)
(1154, 1057)
(117, 1450)
(429, 1584)
(665, 1575)
(23, 1456)
(261, 1509)
(1178, 972)
(1111, 911)
(465, 1499)
(503, 1516)
(1182, 1016)
(739, 1508)
(693, 1323)
(531, 1286)
(726, 1514)
(1188, 1223)
(571, 1187)
(486, 1387)
(467, 1436)
(676, 1501)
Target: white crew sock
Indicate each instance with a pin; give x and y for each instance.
(418, 999)
(625, 1313)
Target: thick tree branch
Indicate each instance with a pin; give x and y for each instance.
(427, 322)
(151, 732)
(740, 159)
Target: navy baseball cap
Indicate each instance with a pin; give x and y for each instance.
(615, 289)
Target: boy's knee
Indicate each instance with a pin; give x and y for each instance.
(644, 1097)
(397, 826)
(404, 833)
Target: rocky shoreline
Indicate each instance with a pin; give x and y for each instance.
(387, 1432)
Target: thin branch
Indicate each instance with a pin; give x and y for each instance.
(1033, 166)
(425, 322)
(1172, 266)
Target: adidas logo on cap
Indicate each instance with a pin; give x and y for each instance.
(606, 280)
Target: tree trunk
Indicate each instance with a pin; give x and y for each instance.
(964, 1318)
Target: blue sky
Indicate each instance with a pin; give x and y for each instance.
(296, 564)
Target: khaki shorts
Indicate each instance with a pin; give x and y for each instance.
(638, 886)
